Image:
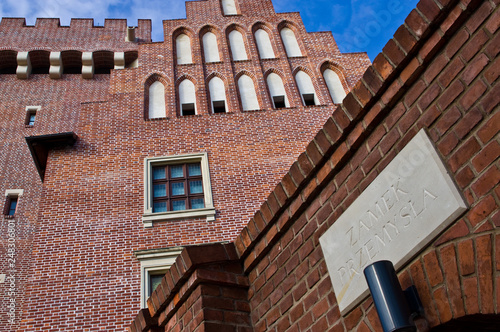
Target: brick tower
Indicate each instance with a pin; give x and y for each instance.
(117, 152)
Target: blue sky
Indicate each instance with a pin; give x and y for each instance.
(357, 25)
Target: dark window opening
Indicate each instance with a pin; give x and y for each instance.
(309, 99)
(177, 187)
(10, 207)
(30, 118)
(154, 281)
(219, 106)
(188, 109)
(279, 101)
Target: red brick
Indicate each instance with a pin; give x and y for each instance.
(493, 47)
(449, 259)
(442, 304)
(451, 71)
(483, 209)
(458, 230)
(491, 74)
(490, 128)
(383, 66)
(491, 101)
(465, 153)
(393, 53)
(456, 43)
(479, 17)
(484, 259)
(466, 257)
(486, 182)
(465, 177)
(486, 156)
(433, 269)
(450, 94)
(429, 96)
(470, 120)
(471, 298)
(429, 9)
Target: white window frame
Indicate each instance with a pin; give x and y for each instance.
(155, 260)
(208, 211)
(32, 110)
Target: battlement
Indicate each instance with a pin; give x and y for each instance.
(81, 34)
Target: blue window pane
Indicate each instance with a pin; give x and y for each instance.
(176, 171)
(158, 173)
(197, 203)
(194, 169)
(195, 187)
(32, 120)
(178, 205)
(177, 189)
(159, 190)
(160, 207)
(12, 207)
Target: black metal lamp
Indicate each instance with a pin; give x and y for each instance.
(396, 308)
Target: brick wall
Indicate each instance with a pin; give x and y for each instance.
(438, 73)
(78, 230)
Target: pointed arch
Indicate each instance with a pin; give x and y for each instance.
(290, 42)
(183, 47)
(333, 79)
(277, 90)
(186, 90)
(237, 44)
(155, 92)
(217, 90)
(209, 37)
(263, 40)
(248, 94)
(306, 89)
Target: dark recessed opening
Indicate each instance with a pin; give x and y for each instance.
(188, 109)
(10, 206)
(308, 99)
(219, 106)
(279, 101)
(30, 118)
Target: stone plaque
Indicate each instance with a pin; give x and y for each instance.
(398, 214)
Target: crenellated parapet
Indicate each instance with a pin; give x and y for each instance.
(82, 35)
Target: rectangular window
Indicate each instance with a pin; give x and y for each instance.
(308, 99)
(279, 101)
(31, 115)
(219, 106)
(188, 109)
(177, 187)
(11, 202)
(154, 264)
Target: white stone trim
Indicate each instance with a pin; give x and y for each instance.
(119, 59)
(87, 65)
(23, 70)
(56, 66)
(14, 192)
(155, 260)
(209, 211)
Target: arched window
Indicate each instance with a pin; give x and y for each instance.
(229, 7)
(249, 101)
(187, 97)
(157, 101)
(264, 44)
(217, 95)
(183, 46)
(210, 47)
(306, 88)
(277, 91)
(237, 44)
(334, 85)
(291, 45)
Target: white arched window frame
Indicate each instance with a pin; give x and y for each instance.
(334, 85)
(290, 41)
(277, 91)
(306, 89)
(217, 95)
(187, 97)
(249, 101)
(264, 44)
(157, 101)
(238, 49)
(210, 47)
(229, 7)
(183, 47)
